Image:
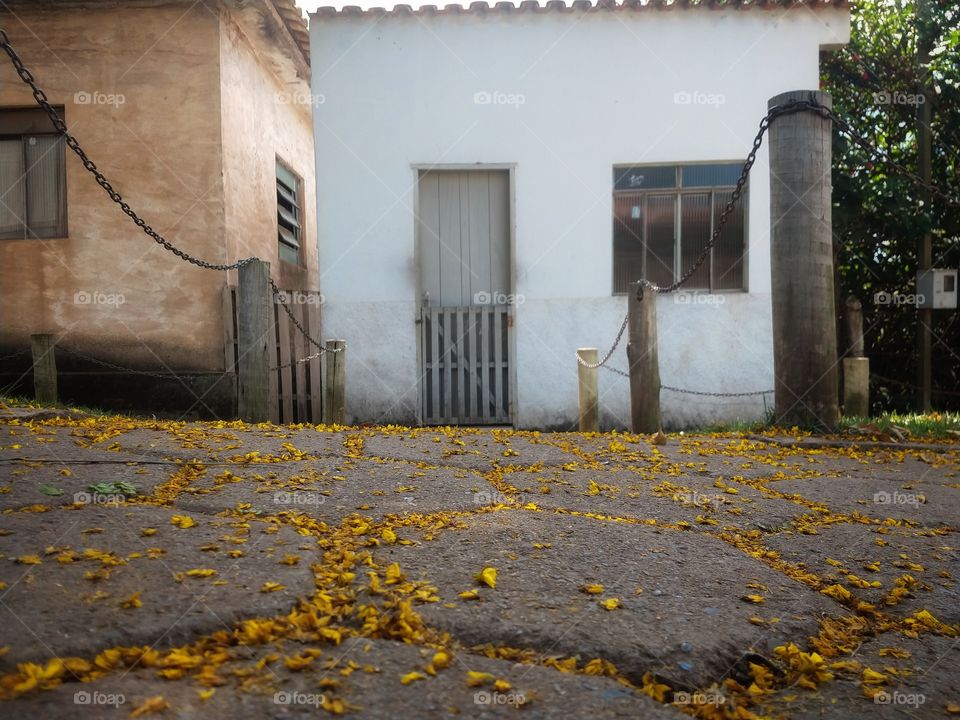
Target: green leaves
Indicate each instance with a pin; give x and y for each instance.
(114, 488)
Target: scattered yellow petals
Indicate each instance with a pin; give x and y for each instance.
(476, 679)
(182, 521)
(154, 704)
(268, 587)
(132, 602)
(487, 576)
(412, 677)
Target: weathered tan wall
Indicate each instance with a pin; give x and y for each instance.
(160, 149)
(265, 114)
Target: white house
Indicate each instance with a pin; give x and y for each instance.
(490, 179)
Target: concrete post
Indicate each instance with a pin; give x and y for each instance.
(801, 266)
(255, 339)
(334, 390)
(856, 368)
(44, 369)
(588, 393)
(644, 361)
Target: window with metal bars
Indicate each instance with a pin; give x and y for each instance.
(663, 217)
(289, 214)
(33, 176)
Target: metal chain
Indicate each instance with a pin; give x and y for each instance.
(623, 326)
(618, 371)
(41, 97)
(282, 302)
(776, 111)
(715, 394)
(294, 363)
(121, 368)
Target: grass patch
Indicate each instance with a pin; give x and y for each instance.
(933, 426)
(25, 402)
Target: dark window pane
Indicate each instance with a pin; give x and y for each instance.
(728, 253)
(660, 238)
(46, 186)
(628, 217)
(644, 178)
(694, 234)
(716, 175)
(13, 210)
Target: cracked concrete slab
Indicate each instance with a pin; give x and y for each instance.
(67, 574)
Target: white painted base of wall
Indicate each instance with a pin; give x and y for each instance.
(383, 374)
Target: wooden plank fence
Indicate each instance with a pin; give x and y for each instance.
(296, 389)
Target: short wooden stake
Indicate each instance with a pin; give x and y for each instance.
(255, 338)
(589, 407)
(643, 358)
(334, 391)
(44, 369)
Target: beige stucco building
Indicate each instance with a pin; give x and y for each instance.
(199, 114)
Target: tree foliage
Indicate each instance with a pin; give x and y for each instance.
(877, 83)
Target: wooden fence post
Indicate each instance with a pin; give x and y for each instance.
(856, 367)
(588, 394)
(643, 358)
(44, 369)
(334, 391)
(801, 266)
(255, 339)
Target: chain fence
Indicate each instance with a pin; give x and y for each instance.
(61, 127)
(792, 106)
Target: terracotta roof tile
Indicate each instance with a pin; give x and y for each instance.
(296, 24)
(481, 7)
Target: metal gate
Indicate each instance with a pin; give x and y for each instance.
(466, 376)
(463, 240)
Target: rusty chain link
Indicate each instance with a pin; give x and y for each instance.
(121, 368)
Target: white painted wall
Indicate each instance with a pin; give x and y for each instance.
(598, 90)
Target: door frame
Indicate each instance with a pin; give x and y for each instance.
(511, 170)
